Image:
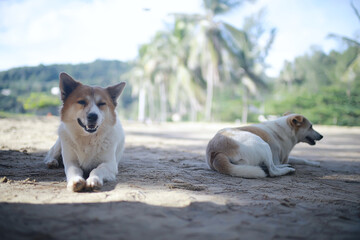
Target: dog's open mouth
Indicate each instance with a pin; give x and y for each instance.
(310, 141)
(89, 128)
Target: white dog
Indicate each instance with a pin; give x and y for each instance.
(244, 151)
(91, 138)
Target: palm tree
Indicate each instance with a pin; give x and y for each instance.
(137, 76)
(354, 63)
(219, 50)
(198, 53)
(247, 56)
(162, 80)
(204, 50)
(155, 60)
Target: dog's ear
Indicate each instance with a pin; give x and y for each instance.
(67, 85)
(115, 91)
(296, 120)
(287, 113)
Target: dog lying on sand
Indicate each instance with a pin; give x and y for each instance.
(246, 151)
(91, 137)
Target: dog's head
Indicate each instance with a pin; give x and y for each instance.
(88, 107)
(303, 129)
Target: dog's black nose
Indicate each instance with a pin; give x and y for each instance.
(92, 117)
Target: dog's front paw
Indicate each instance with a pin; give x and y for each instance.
(291, 170)
(93, 183)
(315, 164)
(76, 184)
(51, 162)
(284, 166)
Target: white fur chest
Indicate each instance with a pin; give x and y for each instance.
(87, 150)
(91, 151)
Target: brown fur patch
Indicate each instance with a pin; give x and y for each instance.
(226, 144)
(257, 131)
(296, 122)
(221, 145)
(79, 93)
(221, 163)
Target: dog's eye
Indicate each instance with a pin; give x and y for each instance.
(82, 102)
(101, 104)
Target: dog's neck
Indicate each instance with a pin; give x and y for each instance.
(283, 132)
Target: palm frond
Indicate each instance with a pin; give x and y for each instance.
(189, 18)
(269, 43)
(218, 7)
(239, 46)
(236, 42)
(352, 67)
(355, 10)
(349, 41)
(255, 78)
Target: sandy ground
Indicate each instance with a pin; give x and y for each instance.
(164, 189)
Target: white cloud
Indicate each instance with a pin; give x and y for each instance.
(40, 31)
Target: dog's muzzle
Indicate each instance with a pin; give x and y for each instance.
(312, 139)
(91, 127)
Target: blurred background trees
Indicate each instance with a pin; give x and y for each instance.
(204, 69)
(197, 55)
(325, 87)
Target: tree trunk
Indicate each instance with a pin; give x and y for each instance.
(163, 101)
(209, 92)
(244, 115)
(142, 104)
(151, 101)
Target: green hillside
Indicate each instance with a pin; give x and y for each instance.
(28, 89)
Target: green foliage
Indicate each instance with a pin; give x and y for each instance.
(329, 106)
(11, 104)
(229, 103)
(315, 86)
(43, 78)
(14, 115)
(39, 100)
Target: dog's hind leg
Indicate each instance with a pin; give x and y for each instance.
(222, 164)
(53, 157)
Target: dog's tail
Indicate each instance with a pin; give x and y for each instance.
(220, 162)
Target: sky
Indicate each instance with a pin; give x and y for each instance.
(34, 32)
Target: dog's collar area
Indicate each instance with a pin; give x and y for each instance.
(89, 129)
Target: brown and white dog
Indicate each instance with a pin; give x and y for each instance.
(91, 137)
(244, 151)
